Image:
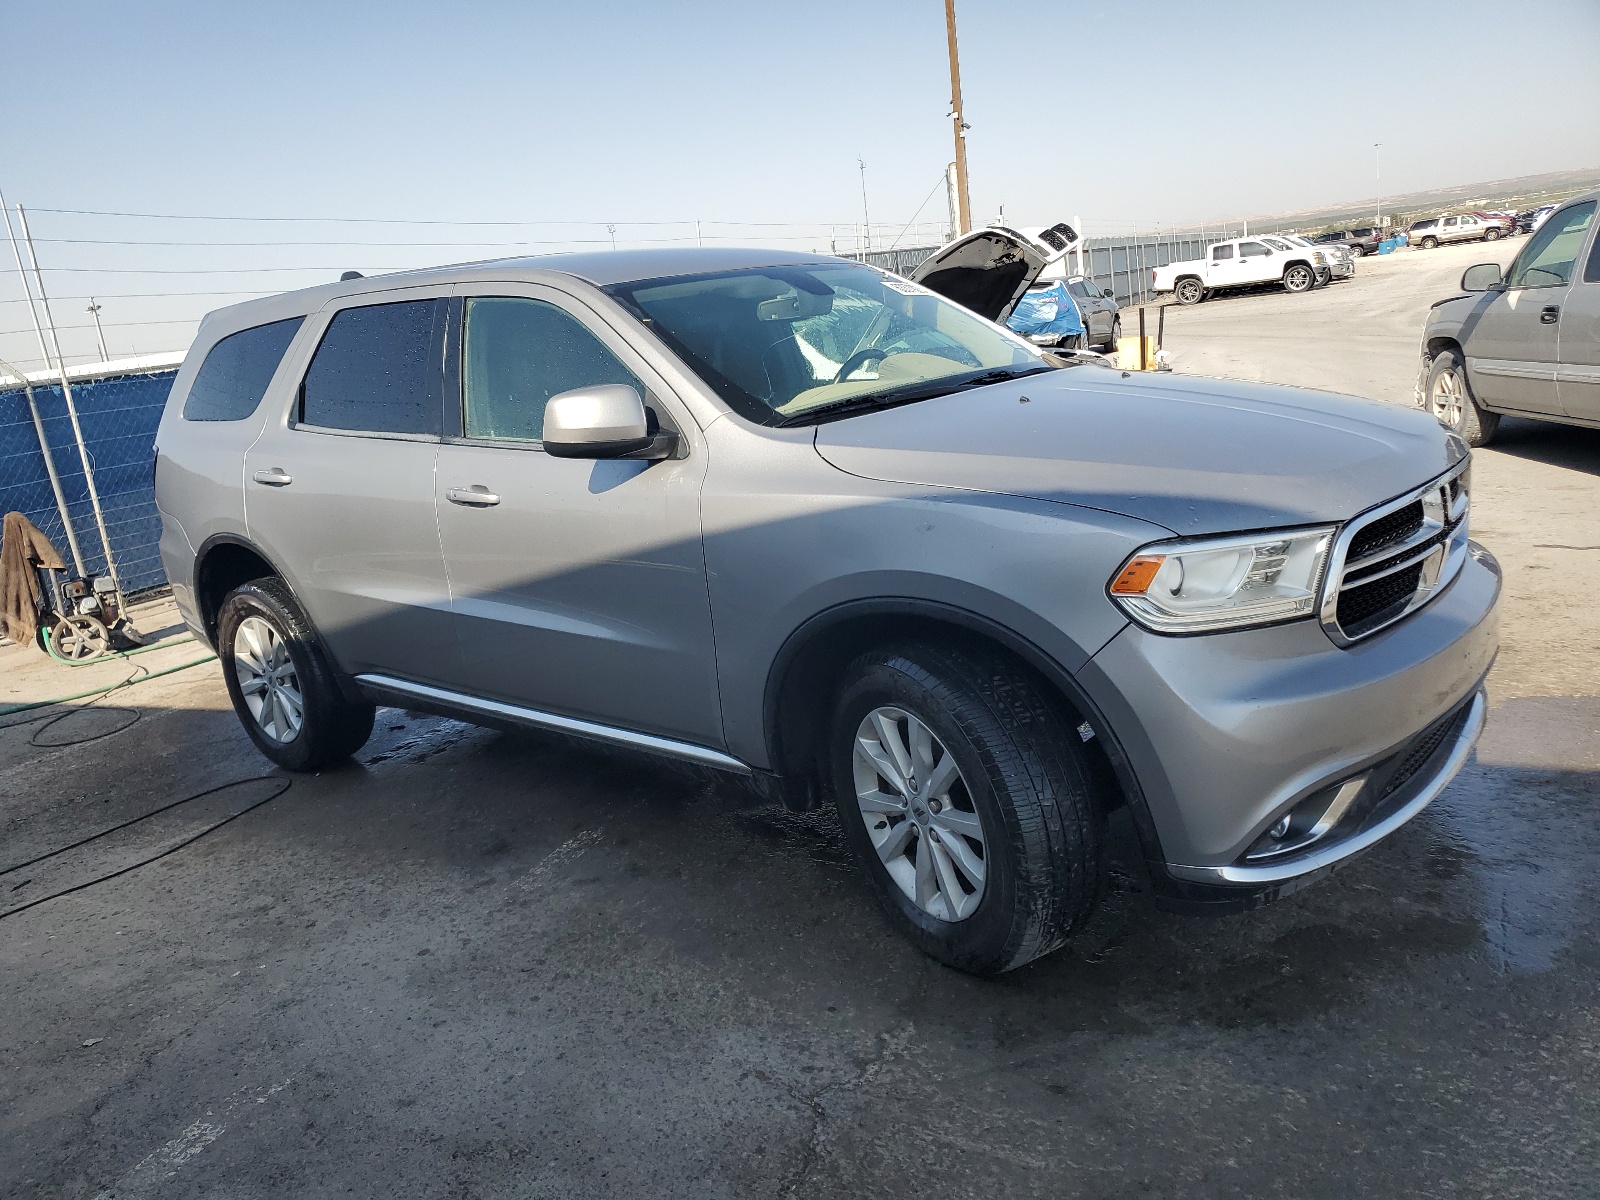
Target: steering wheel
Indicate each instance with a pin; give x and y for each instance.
(858, 360)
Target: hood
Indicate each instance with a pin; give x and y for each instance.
(988, 270)
(1199, 456)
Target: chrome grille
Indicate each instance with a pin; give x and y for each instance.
(1391, 560)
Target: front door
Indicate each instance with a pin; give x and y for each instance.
(1257, 263)
(1511, 339)
(339, 489)
(578, 585)
(1224, 267)
(1578, 372)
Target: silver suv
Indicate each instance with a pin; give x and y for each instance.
(793, 517)
(1522, 342)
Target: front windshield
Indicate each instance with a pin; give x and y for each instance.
(778, 343)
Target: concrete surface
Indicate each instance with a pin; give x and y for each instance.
(479, 965)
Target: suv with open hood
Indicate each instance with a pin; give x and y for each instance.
(841, 532)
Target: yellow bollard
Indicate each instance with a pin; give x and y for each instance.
(1128, 354)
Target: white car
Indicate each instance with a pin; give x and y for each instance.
(1243, 262)
(1341, 259)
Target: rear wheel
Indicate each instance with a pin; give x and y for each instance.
(1450, 400)
(281, 682)
(1299, 278)
(1356, 251)
(1189, 291)
(960, 782)
(1491, 235)
(1430, 243)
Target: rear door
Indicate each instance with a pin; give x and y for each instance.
(339, 486)
(1578, 350)
(1511, 341)
(578, 585)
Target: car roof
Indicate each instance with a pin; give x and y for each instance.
(601, 268)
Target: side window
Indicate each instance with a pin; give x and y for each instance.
(1252, 250)
(518, 353)
(1449, 222)
(1093, 289)
(1221, 253)
(1549, 257)
(1591, 272)
(375, 371)
(236, 371)
(1080, 289)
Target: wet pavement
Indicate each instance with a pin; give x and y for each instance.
(481, 965)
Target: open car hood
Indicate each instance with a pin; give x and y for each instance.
(989, 269)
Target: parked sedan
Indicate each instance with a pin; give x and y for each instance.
(1099, 311)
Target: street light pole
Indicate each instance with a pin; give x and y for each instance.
(866, 217)
(963, 203)
(1377, 175)
(99, 333)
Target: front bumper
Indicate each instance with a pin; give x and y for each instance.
(1228, 733)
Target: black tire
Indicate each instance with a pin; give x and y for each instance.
(332, 727)
(1356, 251)
(1023, 767)
(1299, 278)
(1189, 290)
(1478, 426)
(1491, 235)
(1110, 345)
(1430, 243)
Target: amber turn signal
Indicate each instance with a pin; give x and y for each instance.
(1134, 579)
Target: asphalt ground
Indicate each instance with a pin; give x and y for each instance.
(472, 964)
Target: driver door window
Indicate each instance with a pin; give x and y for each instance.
(1548, 259)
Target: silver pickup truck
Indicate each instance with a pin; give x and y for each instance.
(840, 532)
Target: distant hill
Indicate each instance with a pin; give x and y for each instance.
(1527, 191)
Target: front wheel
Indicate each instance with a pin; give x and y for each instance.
(281, 682)
(961, 784)
(1299, 278)
(1450, 399)
(1189, 291)
(1116, 335)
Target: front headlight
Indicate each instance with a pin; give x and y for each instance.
(1319, 258)
(1224, 583)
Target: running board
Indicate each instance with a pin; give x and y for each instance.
(386, 689)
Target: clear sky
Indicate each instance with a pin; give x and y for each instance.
(615, 111)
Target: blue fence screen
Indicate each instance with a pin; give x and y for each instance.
(119, 417)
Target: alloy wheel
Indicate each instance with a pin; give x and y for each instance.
(1449, 399)
(268, 680)
(919, 814)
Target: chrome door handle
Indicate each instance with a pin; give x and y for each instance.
(1549, 314)
(476, 496)
(274, 477)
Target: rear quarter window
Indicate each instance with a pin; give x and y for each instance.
(236, 371)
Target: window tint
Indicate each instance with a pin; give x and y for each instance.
(518, 354)
(1218, 253)
(1547, 260)
(1252, 250)
(236, 371)
(1591, 272)
(374, 371)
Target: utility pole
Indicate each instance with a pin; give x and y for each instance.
(72, 408)
(866, 218)
(1377, 175)
(94, 311)
(963, 202)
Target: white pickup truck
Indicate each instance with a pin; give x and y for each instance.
(1243, 262)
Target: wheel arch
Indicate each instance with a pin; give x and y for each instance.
(223, 562)
(805, 671)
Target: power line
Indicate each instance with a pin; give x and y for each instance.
(90, 212)
(154, 295)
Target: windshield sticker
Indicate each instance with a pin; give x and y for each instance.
(904, 288)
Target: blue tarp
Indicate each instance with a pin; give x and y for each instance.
(1047, 310)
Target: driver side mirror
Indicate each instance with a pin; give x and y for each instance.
(608, 420)
(1482, 278)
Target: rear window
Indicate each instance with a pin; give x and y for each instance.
(236, 372)
(1218, 253)
(375, 371)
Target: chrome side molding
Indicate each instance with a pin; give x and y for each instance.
(380, 687)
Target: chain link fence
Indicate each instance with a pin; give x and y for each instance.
(119, 416)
